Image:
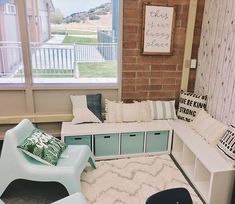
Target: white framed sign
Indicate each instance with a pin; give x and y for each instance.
(158, 29)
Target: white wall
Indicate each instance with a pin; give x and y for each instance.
(216, 60)
(13, 102)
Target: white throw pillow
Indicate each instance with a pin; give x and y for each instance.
(79, 101)
(161, 110)
(143, 111)
(197, 122)
(84, 115)
(130, 112)
(209, 128)
(89, 109)
(113, 111)
(117, 112)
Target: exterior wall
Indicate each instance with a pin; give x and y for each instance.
(155, 77)
(12, 36)
(32, 13)
(43, 20)
(38, 20)
(216, 73)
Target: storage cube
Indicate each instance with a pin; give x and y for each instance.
(157, 141)
(132, 143)
(106, 144)
(78, 140)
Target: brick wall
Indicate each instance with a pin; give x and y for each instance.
(155, 77)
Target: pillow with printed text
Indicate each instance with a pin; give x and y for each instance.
(190, 104)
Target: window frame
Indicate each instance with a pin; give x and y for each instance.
(28, 77)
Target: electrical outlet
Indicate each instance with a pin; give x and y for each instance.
(193, 64)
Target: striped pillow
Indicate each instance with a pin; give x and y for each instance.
(161, 110)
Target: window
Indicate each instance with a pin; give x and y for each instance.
(10, 8)
(69, 43)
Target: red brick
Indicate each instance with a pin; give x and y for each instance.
(130, 29)
(128, 88)
(160, 94)
(130, 45)
(131, 52)
(169, 81)
(150, 60)
(129, 59)
(128, 74)
(143, 74)
(156, 77)
(136, 67)
(163, 67)
(129, 37)
(156, 81)
(143, 87)
(169, 87)
(134, 13)
(142, 81)
(172, 74)
(156, 87)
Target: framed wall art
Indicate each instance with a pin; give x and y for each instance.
(158, 29)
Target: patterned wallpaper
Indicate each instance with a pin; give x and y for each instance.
(216, 59)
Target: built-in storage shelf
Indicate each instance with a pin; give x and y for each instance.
(109, 140)
(177, 148)
(208, 171)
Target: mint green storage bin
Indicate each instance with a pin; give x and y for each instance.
(132, 142)
(78, 140)
(157, 141)
(106, 144)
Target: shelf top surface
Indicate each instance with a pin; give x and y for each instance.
(68, 129)
(207, 154)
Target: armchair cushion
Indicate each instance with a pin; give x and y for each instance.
(43, 147)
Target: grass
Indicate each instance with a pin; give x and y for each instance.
(73, 32)
(86, 70)
(49, 73)
(97, 70)
(79, 40)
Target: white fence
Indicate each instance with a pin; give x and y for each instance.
(54, 59)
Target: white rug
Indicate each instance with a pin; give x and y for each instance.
(133, 180)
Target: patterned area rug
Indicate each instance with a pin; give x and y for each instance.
(132, 180)
(122, 181)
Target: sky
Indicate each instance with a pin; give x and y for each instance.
(68, 7)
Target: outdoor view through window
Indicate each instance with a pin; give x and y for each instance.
(70, 41)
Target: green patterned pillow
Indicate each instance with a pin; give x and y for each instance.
(43, 147)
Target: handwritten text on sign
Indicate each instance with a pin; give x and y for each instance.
(158, 29)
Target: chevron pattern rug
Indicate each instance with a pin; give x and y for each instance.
(132, 180)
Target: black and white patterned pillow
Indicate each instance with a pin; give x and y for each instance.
(43, 147)
(190, 104)
(227, 144)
